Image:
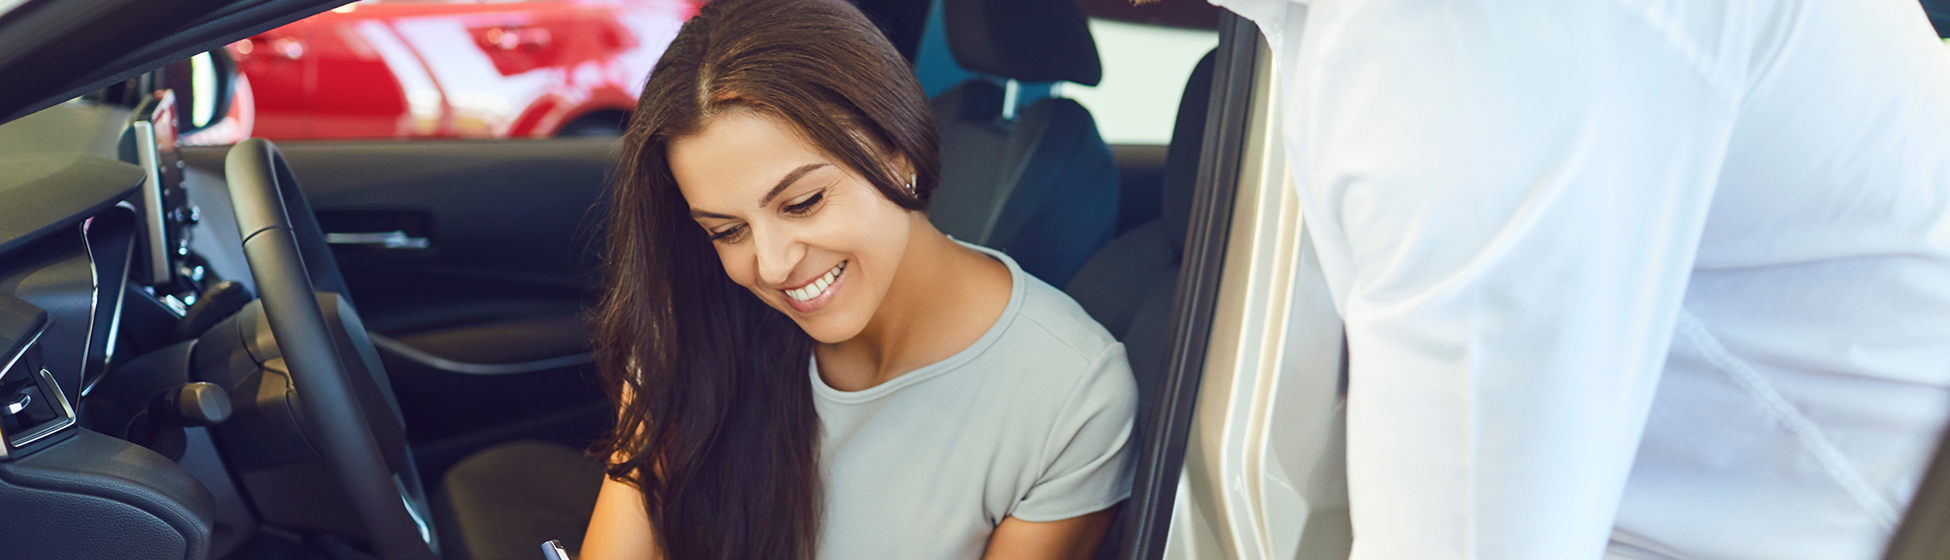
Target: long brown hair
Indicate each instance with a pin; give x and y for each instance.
(719, 430)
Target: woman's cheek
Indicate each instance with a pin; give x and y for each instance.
(736, 265)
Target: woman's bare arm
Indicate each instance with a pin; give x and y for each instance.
(620, 529)
(1075, 538)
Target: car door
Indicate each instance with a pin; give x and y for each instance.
(280, 79)
(1263, 463)
(471, 263)
(470, 260)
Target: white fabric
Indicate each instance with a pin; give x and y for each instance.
(1032, 421)
(1536, 215)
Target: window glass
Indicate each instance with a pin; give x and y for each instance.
(1145, 67)
(414, 69)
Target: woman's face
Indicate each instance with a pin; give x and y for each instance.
(808, 236)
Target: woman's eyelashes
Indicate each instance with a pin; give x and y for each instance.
(729, 234)
(736, 232)
(806, 206)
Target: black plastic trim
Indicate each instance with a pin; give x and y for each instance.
(88, 472)
(218, 24)
(44, 193)
(1161, 460)
(20, 324)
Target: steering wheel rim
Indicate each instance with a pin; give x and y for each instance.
(280, 239)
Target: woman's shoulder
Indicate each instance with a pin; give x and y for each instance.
(1056, 365)
(1048, 340)
(1049, 316)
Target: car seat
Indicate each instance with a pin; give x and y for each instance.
(1038, 184)
(1128, 285)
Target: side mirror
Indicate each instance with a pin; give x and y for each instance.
(205, 86)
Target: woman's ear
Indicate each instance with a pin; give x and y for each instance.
(904, 171)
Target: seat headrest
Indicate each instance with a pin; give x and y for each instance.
(1023, 40)
(1181, 157)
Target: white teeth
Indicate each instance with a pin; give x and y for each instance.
(818, 286)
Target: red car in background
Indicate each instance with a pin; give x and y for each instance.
(450, 69)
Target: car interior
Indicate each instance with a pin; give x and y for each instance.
(324, 350)
(1037, 181)
(162, 308)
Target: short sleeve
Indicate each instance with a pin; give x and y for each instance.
(1087, 458)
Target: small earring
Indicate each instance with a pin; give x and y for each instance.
(910, 185)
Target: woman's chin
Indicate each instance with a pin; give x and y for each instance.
(829, 329)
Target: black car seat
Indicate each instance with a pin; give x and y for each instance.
(1038, 184)
(1128, 285)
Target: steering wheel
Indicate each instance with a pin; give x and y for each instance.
(346, 404)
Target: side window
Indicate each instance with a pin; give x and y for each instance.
(1146, 50)
(1145, 67)
(473, 69)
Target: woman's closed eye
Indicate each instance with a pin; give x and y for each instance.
(806, 206)
(728, 234)
(803, 207)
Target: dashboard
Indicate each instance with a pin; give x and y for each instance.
(104, 250)
(96, 239)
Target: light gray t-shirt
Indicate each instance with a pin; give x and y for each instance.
(1032, 422)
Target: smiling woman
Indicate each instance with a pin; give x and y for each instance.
(804, 366)
(760, 228)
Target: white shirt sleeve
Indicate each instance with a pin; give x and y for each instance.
(1507, 198)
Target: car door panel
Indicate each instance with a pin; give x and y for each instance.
(479, 309)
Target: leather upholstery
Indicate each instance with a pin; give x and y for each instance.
(95, 497)
(503, 502)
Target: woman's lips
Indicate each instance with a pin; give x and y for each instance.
(818, 293)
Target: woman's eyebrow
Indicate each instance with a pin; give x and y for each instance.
(787, 182)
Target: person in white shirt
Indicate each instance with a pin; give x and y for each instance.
(1627, 278)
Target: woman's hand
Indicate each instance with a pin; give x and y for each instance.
(1075, 538)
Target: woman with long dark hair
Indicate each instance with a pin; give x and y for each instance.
(804, 367)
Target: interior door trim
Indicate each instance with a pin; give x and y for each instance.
(424, 358)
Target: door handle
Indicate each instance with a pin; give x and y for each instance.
(395, 239)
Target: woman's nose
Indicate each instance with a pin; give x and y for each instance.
(779, 251)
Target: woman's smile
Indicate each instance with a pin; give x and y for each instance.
(813, 295)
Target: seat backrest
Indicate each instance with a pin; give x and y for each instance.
(1039, 184)
(1128, 285)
